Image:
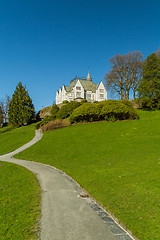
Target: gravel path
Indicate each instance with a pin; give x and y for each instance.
(67, 214)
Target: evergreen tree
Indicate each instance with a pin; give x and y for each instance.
(21, 109)
(149, 86)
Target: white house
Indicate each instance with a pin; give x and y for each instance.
(82, 89)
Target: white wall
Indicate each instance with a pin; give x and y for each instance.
(101, 93)
(77, 92)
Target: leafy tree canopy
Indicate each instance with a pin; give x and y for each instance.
(149, 86)
(21, 109)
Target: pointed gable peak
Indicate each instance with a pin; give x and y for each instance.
(89, 77)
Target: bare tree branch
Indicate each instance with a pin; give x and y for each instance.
(125, 73)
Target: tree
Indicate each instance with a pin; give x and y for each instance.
(5, 107)
(136, 63)
(21, 109)
(114, 79)
(149, 86)
(125, 73)
(158, 53)
(1, 115)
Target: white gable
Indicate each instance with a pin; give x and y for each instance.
(78, 90)
(101, 92)
(78, 84)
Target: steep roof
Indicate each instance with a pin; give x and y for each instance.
(88, 85)
(89, 77)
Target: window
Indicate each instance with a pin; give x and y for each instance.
(78, 94)
(88, 96)
(101, 90)
(78, 88)
(101, 96)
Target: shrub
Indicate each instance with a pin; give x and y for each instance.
(47, 119)
(67, 109)
(58, 123)
(86, 112)
(148, 103)
(110, 110)
(83, 100)
(128, 103)
(54, 109)
(119, 110)
(65, 101)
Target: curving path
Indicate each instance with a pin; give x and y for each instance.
(66, 213)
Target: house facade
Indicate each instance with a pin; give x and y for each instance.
(82, 89)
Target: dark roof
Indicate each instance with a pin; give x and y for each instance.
(88, 85)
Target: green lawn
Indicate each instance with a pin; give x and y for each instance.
(19, 203)
(118, 163)
(12, 138)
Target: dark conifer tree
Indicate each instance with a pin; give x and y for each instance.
(21, 109)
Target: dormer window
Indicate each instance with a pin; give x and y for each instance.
(78, 88)
(101, 90)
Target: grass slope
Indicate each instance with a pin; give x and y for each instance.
(19, 203)
(12, 138)
(117, 162)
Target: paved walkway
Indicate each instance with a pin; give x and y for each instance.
(66, 213)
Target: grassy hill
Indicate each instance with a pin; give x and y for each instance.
(19, 203)
(12, 138)
(118, 163)
(19, 188)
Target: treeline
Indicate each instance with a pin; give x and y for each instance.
(130, 72)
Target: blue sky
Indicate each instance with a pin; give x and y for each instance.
(46, 43)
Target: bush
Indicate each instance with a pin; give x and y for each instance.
(119, 110)
(87, 112)
(58, 123)
(83, 100)
(67, 109)
(47, 119)
(110, 110)
(54, 109)
(65, 101)
(128, 103)
(148, 103)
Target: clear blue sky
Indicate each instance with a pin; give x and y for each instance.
(45, 43)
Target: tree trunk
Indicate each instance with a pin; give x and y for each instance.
(122, 94)
(127, 95)
(134, 94)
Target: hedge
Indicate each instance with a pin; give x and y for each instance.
(67, 109)
(109, 110)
